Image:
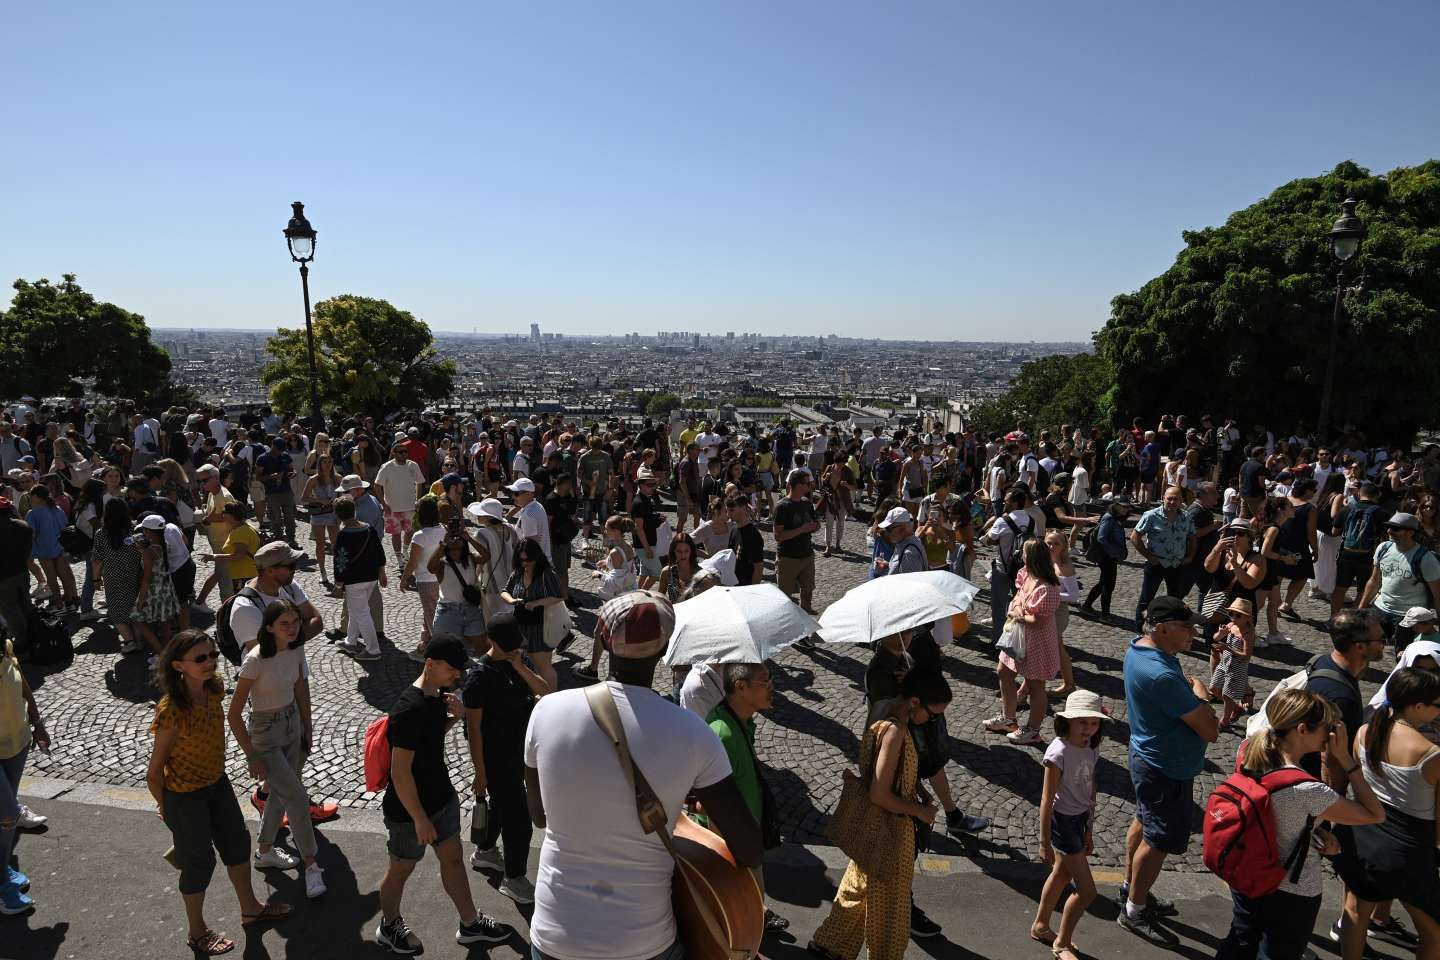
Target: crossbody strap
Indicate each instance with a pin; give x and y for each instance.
(653, 818)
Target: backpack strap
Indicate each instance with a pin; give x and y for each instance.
(1283, 779)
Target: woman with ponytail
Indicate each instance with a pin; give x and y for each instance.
(1395, 859)
(1300, 723)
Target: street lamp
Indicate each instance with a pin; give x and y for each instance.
(300, 237)
(1345, 237)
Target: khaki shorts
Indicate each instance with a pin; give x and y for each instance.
(795, 573)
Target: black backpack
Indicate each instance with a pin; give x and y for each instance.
(47, 638)
(1090, 543)
(1013, 561)
(225, 640)
(1042, 479)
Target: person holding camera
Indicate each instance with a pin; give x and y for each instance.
(456, 566)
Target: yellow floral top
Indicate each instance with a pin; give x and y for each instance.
(198, 757)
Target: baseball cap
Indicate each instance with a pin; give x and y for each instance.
(1060, 479)
(452, 480)
(27, 459)
(277, 554)
(153, 521)
(523, 485)
(447, 649)
(635, 625)
(504, 631)
(1168, 609)
(897, 515)
(1403, 521)
(207, 470)
(1417, 615)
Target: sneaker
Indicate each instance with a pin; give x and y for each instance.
(1278, 640)
(335, 636)
(314, 881)
(18, 880)
(29, 819)
(1261, 642)
(922, 926)
(276, 858)
(1001, 724)
(366, 655)
(257, 800)
(482, 929)
(396, 936)
(1161, 906)
(490, 859)
(1024, 736)
(958, 822)
(519, 889)
(1147, 926)
(323, 812)
(1392, 931)
(1369, 953)
(14, 901)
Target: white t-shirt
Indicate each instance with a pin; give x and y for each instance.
(603, 885)
(220, 430)
(709, 444)
(399, 481)
(1029, 470)
(1079, 486)
(245, 617)
(452, 590)
(176, 550)
(996, 484)
(532, 521)
(1291, 807)
(274, 677)
(702, 690)
(428, 539)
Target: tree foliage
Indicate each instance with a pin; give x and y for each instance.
(660, 404)
(370, 357)
(1046, 394)
(56, 335)
(1240, 324)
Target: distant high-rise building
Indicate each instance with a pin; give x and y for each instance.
(729, 334)
(695, 341)
(534, 333)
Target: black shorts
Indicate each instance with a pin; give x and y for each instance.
(1067, 831)
(1352, 568)
(1162, 805)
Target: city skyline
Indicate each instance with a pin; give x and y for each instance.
(948, 171)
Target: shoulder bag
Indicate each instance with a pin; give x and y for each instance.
(862, 830)
(471, 592)
(719, 911)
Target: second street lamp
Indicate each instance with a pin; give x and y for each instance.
(1345, 236)
(300, 238)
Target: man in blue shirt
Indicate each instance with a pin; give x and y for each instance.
(1165, 537)
(274, 468)
(1169, 728)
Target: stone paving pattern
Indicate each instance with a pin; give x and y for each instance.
(99, 708)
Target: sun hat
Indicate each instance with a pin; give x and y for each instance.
(523, 485)
(489, 507)
(1417, 615)
(643, 474)
(277, 554)
(1241, 606)
(1240, 526)
(353, 482)
(895, 517)
(635, 625)
(1082, 704)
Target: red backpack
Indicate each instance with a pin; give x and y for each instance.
(377, 754)
(1240, 844)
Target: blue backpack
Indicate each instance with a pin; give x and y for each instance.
(1362, 527)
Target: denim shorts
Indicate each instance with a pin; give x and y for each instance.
(1067, 831)
(1162, 805)
(649, 566)
(404, 846)
(458, 620)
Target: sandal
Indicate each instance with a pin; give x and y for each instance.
(1046, 936)
(270, 911)
(1066, 952)
(210, 944)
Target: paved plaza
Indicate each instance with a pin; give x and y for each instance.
(99, 708)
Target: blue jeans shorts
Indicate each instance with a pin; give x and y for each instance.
(458, 620)
(1067, 831)
(1162, 805)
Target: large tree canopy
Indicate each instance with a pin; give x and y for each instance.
(56, 335)
(1047, 394)
(1240, 324)
(370, 356)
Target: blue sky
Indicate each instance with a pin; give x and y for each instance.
(947, 170)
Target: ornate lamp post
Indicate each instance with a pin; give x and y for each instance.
(1345, 237)
(300, 237)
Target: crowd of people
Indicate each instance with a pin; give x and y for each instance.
(492, 523)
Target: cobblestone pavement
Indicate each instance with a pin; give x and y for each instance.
(99, 708)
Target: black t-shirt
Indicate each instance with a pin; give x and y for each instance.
(1345, 696)
(417, 723)
(16, 538)
(791, 515)
(749, 547)
(1203, 516)
(496, 689)
(541, 477)
(561, 510)
(1050, 505)
(1252, 479)
(359, 554)
(645, 511)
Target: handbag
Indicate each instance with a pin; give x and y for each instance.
(1012, 639)
(719, 911)
(861, 829)
(471, 592)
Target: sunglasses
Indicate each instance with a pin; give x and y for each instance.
(202, 658)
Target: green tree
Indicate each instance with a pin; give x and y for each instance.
(56, 335)
(370, 357)
(1240, 324)
(661, 404)
(1048, 393)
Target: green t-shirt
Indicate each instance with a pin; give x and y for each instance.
(1399, 590)
(739, 742)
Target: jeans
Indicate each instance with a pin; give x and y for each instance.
(509, 814)
(276, 735)
(10, 770)
(87, 589)
(1176, 582)
(281, 505)
(676, 951)
(1103, 590)
(15, 606)
(359, 624)
(1276, 926)
(999, 598)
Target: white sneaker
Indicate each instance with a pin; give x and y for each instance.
(314, 881)
(519, 889)
(1262, 642)
(276, 858)
(1279, 639)
(487, 859)
(29, 819)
